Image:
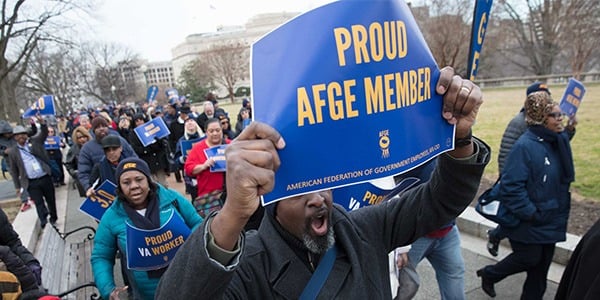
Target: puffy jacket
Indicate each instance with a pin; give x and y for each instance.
(531, 187)
(112, 228)
(513, 131)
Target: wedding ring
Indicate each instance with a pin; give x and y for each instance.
(466, 89)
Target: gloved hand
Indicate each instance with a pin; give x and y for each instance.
(36, 269)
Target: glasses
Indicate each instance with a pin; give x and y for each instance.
(224, 123)
(556, 115)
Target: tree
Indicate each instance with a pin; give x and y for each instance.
(107, 65)
(196, 80)
(445, 27)
(23, 27)
(229, 63)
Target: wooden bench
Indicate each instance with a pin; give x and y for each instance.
(66, 266)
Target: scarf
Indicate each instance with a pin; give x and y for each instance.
(561, 142)
(151, 220)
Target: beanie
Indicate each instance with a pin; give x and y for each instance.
(132, 164)
(537, 106)
(98, 121)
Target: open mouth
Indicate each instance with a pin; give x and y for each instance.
(318, 223)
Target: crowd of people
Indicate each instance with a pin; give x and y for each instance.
(297, 235)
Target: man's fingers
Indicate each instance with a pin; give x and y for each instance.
(258, 147)
(445, 79)
(258, 130)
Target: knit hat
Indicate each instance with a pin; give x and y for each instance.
(98, 121)
(110, 141)
(132, 164)
(537, 106)
(536, 87)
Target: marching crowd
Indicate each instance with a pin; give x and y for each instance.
(235, 248)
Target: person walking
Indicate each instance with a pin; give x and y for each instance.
(30, 170)
(535, 187)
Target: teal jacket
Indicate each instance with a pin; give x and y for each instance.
(112, 228)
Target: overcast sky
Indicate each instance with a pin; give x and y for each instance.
(153, 27)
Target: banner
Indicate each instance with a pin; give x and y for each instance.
(367, 193)
(52, 143)
(152, 130)
(481, 16)
(355, 99)
(96, 205)
(152, 92)
(172, 95)
(154, 249)
(186, 146)
(217, 153)
(572, 98)
(44, 106)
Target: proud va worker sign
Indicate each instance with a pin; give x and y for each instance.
(351, 87)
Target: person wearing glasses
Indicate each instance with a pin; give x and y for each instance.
(226, 126)
(79, 137)
(534, 186)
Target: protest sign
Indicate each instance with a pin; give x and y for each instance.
(154, 249)
(186, 146)
(217, 153)
(152, 130)
(151, 94)
(354, 98)
(369, 193)
(52, 143)
(481, 16)
(572, 98)
(96, 205)
(44, 106)
(172, 95)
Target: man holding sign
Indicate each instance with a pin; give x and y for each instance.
(297, 233)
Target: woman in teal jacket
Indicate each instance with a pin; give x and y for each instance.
(151, 212)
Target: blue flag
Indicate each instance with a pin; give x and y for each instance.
(152, 130)
(154, 249)
(44, 106)
(152, 92)
(481, 16)
(96, 205)
(355, 98)
(572, 98)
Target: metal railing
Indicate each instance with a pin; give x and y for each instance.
(588, 77)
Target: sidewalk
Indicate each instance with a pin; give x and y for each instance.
(473, 248)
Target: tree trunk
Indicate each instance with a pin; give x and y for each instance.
(8, 106)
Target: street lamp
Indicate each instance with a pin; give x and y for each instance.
(113, 90)
(144, 69)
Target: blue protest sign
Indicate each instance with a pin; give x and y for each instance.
(96, 205)
(154, 249)
(217, 153)
(172, 95)
(186, 145)
(52, 143)
(44, 106)
(481, 16)
(152, 130)
(151, 94)
(367, 193)
(355, 99)
(572, 98)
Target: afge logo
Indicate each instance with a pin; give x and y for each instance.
(384, 143)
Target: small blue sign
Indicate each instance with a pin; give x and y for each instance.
(217, 153)
(44, 106)
(172, 95)
(364, 194)
(96, 205)
(152, 92)
(152, 130)
(52, 143)
(154, 249)
(355, 99)
(186, 146)
(572, 98)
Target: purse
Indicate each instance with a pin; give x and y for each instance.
(489, 205)
(207, 203)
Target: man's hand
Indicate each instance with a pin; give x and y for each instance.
(462, 99)
(252, 160)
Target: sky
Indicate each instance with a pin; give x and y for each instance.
(153, 27)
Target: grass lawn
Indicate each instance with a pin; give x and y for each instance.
(499, 107)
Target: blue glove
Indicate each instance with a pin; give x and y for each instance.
(36, 269)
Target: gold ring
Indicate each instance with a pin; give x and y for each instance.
(466, 89)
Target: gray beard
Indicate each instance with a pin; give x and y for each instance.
(319, 244)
